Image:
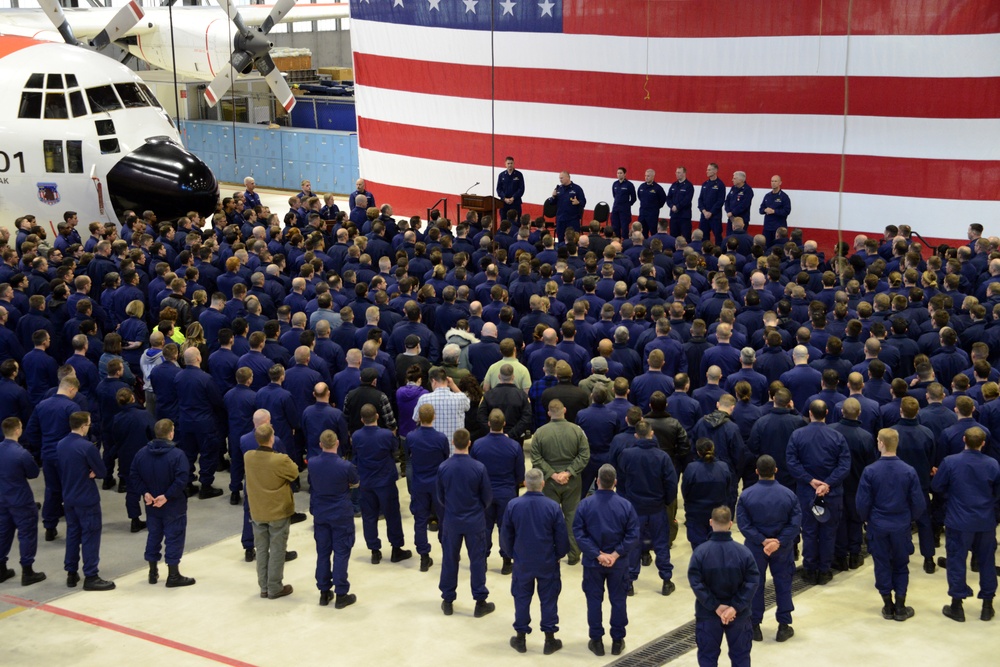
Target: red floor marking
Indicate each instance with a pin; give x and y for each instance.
(138, 634)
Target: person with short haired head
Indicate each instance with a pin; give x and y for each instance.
(159, 475)
(648, 479)
(240, 402)
(606, 527)
(426, 448)
(331, 479)
(504, 461)
(561, 450)
(819, 460)
(464, 492)
(860, 441)
(49, 423)
(889, 499)
(17, 504)
(39, 367)
(79, 466)
(450, 403)
(770, 518)
(199, 401)
(917, 447)
(132, 428)
(107, 407)
(375, 456)
(269, 475)
(719, 427)
(533, 531)
(971, 482)
(511, 400)
(724, 577)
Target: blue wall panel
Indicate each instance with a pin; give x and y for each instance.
(279, 158)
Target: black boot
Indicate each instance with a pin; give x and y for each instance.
(425, 562)
(29, 576)
(518, 644)
(72, 579)
(109, 483)
(785, 632)
(902, 611)
(854, 561)
(5, 572)
(955, 611)
(137, 525)
(376, 556)
(986, 615)
(95, 583)
(208, 491)
(483, 607)
(122, 487)
(889, 609)
(929, 565)
(508, 566)
(400, 554)
(596, 647)
(840, 564)
(234, 498)
(551, 643)
(175, 579)
(51, 534)
(154, 572)
(758, 636)
(345, 600)
(617, 646)
(325, 597)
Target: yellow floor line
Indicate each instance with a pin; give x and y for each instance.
(11, 612)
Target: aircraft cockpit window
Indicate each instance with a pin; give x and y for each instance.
(109, 146)
(150, 96)
(77, 105)
(74, 156)
(104, 127)
(35, 81)
(71, 81)
(131, 95)
(31, 105)
(54, 82)
(103, 98)
(54, 162)
(55, 106)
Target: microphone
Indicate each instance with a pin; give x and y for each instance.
(470, 187)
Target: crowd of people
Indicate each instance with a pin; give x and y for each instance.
(826, 403)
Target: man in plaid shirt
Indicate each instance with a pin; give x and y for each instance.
(539, 386)
(450, 404)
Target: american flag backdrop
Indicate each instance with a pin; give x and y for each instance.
(872, 111)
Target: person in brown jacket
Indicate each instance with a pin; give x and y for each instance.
(269, 493)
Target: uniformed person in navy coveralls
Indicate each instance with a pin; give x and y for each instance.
(724, 577)
(889, 498)
(606, 528)
(426, 448)
(775, 207)
(510, 189)
(132, 429)
(971, 481)
(533, 531)
(651, 198)
(679, 198)
(819, 459)
(504, 461)
(18, 511)
(331, 479)
(79, 464)
(159, 474)
(464, 492)
(622, 199)
(649, 482)
(570, 202)
(710, 201)
(769, 517)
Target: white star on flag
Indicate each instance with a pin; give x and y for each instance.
(508, 7)
(470, 5)
(397, 3)
(546, 7)
(434, 4)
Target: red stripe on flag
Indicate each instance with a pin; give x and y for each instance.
(904, 177)
(803, 95)
(411, 201)
(750, 18)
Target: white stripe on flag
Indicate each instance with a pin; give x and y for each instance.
(928, 56)
(940, 218)
(925, 138)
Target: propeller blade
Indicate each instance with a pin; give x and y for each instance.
(278, 12)
(234, 14)
(220, 86)
(122, 22)
(54, 11)
(277, 82)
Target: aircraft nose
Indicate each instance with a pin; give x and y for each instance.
(164, 177)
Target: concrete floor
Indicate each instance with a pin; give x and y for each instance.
(222, 619)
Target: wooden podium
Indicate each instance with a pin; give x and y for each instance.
(483, 205)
